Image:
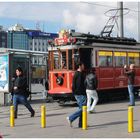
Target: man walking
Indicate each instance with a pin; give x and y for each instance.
(79, 92)
(19, 91)
(131, 79)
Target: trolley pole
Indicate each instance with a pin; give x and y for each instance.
(130, 120)
(12, 119)
(121, 30)
(43, 116)
(84, 117)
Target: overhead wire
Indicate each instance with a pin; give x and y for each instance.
(96, 4)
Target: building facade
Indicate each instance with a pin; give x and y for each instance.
(3, 39)
(17, 40)
(38, 41)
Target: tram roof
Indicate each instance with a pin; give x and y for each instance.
(103, 45)
(82, 40)
(19, 51)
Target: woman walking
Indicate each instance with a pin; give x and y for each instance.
(91, 85)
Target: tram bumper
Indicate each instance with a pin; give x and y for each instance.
(58, 94)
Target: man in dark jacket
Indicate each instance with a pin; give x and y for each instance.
(79, 92)
(19, 91)
(131, 79)
(91, 85)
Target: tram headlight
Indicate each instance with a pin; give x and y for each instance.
(59, 80)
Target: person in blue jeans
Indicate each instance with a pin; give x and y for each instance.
(131, 80)
(79, 92)
(19, 91)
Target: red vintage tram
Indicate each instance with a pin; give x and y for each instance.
(107, 55)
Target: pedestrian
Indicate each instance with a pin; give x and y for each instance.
(131, 79)
(91, 85)
(19, 91)
(79, 92)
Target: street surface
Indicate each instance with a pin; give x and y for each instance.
(109, 121)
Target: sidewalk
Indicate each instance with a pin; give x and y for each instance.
(109, 121)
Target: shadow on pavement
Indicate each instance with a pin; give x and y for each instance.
(48, 115)
(37, 101)
(55, 114)
(69, 105)
(21, 124)
(54, 126)
(112, 111)
(106, 124)
(25, 124)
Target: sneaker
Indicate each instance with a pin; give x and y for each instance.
(33, 114)
(69, 122)
(92, 111)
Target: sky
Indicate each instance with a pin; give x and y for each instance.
(81, 16)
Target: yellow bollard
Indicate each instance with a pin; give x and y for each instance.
(84, 117)
(12, 119)
(130, 120)
(43, 116)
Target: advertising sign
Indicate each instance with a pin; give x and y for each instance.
(4, 73)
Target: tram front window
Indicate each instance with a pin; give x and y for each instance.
(63, 60)
(59, 60)
(56, 60)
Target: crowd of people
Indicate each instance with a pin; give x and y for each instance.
(83, 88)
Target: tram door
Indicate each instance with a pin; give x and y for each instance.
(85, 57)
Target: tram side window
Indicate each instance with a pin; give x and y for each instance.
(120, 59)
(133, 58)
(105, 58)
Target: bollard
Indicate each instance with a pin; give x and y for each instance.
(130, 120)
(43, 116)
(84, 117)
(12, 119)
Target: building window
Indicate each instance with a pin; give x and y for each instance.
(31, 43)
(3, 44)
(35, 49)
(3, 37)
(35, 61)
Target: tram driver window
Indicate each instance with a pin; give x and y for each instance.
(105, 59)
